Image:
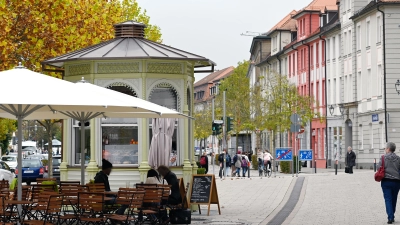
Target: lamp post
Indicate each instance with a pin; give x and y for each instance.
(331, 110)
(397, 86)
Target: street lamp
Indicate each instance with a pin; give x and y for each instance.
(331, 109)
(397, 86)
(341, 109)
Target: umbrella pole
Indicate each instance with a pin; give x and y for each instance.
(19, 159)
(82, 151)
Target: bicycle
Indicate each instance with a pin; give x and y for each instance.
(260, 168)
(267, 170)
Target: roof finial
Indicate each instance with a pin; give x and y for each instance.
(20, 66)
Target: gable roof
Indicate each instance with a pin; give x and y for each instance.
(215, 76)
(287, 23)
(317, 6)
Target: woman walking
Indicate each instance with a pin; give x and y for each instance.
(391, 183)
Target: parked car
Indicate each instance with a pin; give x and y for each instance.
(5, 172)
(11, 161)
(56, 166)
(31, 170)
(196, 151)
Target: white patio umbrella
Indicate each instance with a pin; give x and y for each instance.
(161, 143)
(59, 99)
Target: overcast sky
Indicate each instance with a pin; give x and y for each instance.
(212, 28)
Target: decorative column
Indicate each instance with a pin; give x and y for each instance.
(92, 168)
(187, 166)
(66, 150)
(143, 137)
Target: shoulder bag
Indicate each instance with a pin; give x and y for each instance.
(380, 174)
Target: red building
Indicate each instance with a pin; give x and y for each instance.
(306, 67)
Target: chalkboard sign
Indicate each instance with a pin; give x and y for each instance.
(204, 191)
(201, 189)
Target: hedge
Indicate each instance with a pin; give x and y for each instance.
(201, 171)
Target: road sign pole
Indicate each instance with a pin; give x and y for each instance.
(297, 155)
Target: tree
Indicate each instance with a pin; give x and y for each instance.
(202, 124)
(32, 31)
(7, 126)
(49, 126)
(282, 100)
(237, 97)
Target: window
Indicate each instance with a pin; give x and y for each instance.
(380, 80)
(382, 136)
(304, 26)
(368, 88)
(77, 139)
(120, 135)
(358, 37)
(317, 53)
(323, 93)
(350, 88)
(330, 90)
(378, 29)
(368, 34)
(312, 55)
(346, 93)
(345, 43)
(290, 65)
(349, 43)
(371, 137)
(328, 48)
(361, 138)
(334, 47)
(359, 86)
(334, 91)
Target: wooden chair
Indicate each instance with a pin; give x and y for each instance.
(5, 188)
(143, 185)
(166, 192)
(26, 191)
(48, 211)
(151, 204)
(96, 187)
(38, 189)
(70, 202)
(91, 208)
(5, 215)
(135, 203)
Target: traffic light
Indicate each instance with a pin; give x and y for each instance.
(229, 124)
(216, 128)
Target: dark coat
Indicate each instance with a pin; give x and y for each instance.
(350, 158)
(175, 196)
(102, 178)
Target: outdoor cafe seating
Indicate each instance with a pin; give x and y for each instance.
(72, 203)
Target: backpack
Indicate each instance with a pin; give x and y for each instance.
(203, 161)
(244, 162)
(234, 159)
(228, 160)
(221, 157)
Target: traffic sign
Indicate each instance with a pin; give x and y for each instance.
(283, 154)
(218, 121)
(306, 154)
(295, 128)
(301, 130)
(294, 118)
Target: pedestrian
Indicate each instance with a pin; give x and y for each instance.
(350, 159)
(204, 162)
(228, 162)
(391, 182)
(237, 160)
(221, 165)
(260, 159)
(267, 160)
(244, 165)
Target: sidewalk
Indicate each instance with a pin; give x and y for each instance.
(325, 198)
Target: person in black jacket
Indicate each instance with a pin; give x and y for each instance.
(175, 196)
(350, 159)
(205, 166)
(102, 178)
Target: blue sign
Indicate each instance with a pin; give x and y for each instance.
(306, 154)
(284, 154)
(375, 117)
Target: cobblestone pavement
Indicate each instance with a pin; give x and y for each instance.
(342, 199)
(325, 198)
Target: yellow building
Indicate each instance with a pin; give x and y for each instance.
(132, 65)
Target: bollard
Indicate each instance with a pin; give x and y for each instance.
(315, 166)
(336, 167)
(375, 165)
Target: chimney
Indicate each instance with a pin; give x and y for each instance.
(129, 29)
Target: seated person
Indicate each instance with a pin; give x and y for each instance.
(154, 178)
(175, 195)
(102, 177)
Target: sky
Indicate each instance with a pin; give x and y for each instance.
(213, 28)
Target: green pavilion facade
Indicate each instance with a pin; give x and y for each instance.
(132, 65)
